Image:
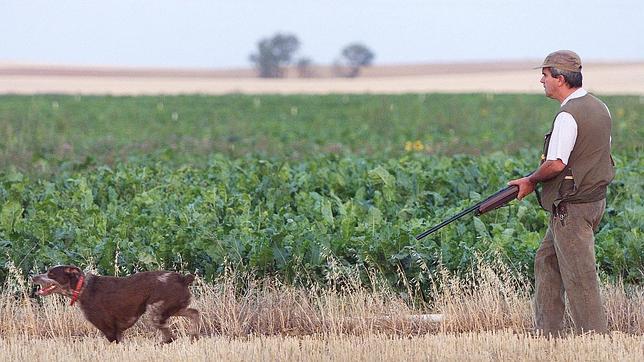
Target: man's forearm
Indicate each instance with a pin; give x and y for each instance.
(548, 170)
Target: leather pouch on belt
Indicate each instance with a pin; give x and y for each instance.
(567, 186)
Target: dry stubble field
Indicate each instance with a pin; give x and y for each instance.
(245, 319)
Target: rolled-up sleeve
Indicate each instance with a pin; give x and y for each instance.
(562, 140)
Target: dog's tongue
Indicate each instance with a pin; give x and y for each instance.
(46, 291)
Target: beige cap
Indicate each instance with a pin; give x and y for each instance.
(562, 60)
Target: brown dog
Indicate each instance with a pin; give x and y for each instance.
(114, 304)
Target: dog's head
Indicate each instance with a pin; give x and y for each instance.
(61, 279)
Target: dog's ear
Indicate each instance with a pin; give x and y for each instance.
(73, 271)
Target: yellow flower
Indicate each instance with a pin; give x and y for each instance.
(408, 146)
(418, 146)
(620, 112)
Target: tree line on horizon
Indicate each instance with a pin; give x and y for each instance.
(276, 53)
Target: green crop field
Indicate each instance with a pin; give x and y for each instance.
(297, 187)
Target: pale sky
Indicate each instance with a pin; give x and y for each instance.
(222, 34)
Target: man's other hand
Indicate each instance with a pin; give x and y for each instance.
(525, 186)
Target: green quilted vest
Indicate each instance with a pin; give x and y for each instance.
(590, 167)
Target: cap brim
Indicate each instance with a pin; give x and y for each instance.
(544, 65)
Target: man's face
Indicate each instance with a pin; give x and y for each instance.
(550, 84)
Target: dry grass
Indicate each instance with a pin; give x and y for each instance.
(487, 317)
(484, 346)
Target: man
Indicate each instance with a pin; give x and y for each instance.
(576, 168)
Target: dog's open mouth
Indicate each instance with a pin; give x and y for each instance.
(46, 290)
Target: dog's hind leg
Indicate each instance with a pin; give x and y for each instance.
(160, 320)
(193, 315)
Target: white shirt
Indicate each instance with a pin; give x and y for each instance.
(564, 132)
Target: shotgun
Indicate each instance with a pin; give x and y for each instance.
(495, 201)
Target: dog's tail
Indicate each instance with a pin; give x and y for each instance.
(188, 279)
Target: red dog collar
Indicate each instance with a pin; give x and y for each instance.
(76, 292)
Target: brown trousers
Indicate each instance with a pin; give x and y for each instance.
(565, 265)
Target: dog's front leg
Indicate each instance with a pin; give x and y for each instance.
(167, 334)
(113, 335)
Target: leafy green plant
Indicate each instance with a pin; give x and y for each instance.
(295, 220)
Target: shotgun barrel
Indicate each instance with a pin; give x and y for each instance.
(495, 201)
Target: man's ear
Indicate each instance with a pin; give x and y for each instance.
(561, 79)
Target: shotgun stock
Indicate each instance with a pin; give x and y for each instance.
(495, 201)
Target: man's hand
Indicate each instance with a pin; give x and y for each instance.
(525, 186)
(545, 172)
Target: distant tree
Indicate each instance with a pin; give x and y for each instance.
(356, 56)
(274, 54)
(303, 67)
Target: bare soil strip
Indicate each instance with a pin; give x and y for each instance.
(514, 77)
